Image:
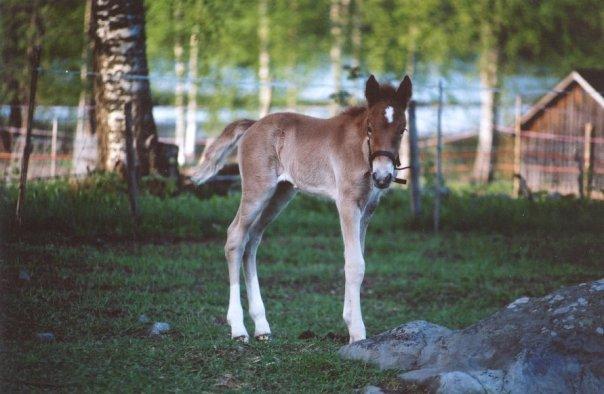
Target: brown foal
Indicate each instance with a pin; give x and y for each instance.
(350, 158)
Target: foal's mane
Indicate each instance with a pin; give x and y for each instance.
(387, 93)
(355, 111)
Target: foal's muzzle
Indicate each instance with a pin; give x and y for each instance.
(383, 171)
(382, 182)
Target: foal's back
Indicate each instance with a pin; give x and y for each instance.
(309, 152)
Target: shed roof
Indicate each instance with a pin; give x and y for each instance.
(591, 80)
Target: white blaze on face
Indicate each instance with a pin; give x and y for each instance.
(389, 114)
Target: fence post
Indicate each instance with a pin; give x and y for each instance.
(53, 148)
(131, 163)
(414, 162)
(439, 177)
(588, 159)
(517, 177)
(31, 100)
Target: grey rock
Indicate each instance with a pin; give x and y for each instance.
(159, 328)
(548, 344)
(143, 319)
(45, 336)
(397, 348)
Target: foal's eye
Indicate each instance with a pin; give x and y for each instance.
(369, 129)
(403, 129)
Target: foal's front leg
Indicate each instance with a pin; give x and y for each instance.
(354, 268)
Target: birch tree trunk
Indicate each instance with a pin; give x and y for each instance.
(489, 97)
(356, 35)
(120, 62)
(85, 143)
(191, 132)
(291, 92)
(179, 89)
(337, 16)
(265, 91)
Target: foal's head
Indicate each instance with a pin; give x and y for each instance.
(385, 124)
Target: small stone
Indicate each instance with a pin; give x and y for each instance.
(24, 275)
(582, 301)
(45, 336)
(553, 334)
(600, 330)
(143, 319)
(519, 301)
(569, 326)
(159, 328)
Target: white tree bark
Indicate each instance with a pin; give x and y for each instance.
(179, 89)
(483, 165)
(191, 131)
(265, 91)
(85, 143)
(337, 17)
(291, 92)
(120, 62)
(356, 35)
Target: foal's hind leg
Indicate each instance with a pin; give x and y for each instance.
(252, 203)
(283, 194)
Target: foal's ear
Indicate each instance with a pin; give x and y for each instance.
(404, 91)
(372, 91)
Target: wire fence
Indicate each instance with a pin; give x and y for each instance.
(549, 160)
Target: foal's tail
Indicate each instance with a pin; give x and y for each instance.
(215, 156)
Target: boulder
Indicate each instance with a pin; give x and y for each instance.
(549, 344)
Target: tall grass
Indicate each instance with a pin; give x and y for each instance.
(97, 208)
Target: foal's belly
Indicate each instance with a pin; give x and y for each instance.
(310, 186)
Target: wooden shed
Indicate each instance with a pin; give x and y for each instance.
(562, 137)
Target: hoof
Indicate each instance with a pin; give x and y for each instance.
(263, 337)
(242, 338)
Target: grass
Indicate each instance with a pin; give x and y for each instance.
(92, 277)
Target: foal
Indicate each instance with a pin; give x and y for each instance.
(350, 158)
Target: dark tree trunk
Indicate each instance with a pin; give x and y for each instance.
(120, 61)
(85, 144)
(13, 57)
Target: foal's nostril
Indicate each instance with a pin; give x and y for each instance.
(382, 182)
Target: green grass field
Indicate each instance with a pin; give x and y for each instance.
(92, 277)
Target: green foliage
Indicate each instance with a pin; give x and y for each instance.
(61, 32)
(559, 34)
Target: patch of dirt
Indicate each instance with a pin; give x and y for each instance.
(336, 337)
(308, 334)
(228, 381)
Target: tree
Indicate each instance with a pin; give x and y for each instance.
(120, 64)
(85, 143)
(400, 34)
(338, 13)
(191, 131)
(179, 88)
(14, 24)
(265, 91)
(509, 38)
